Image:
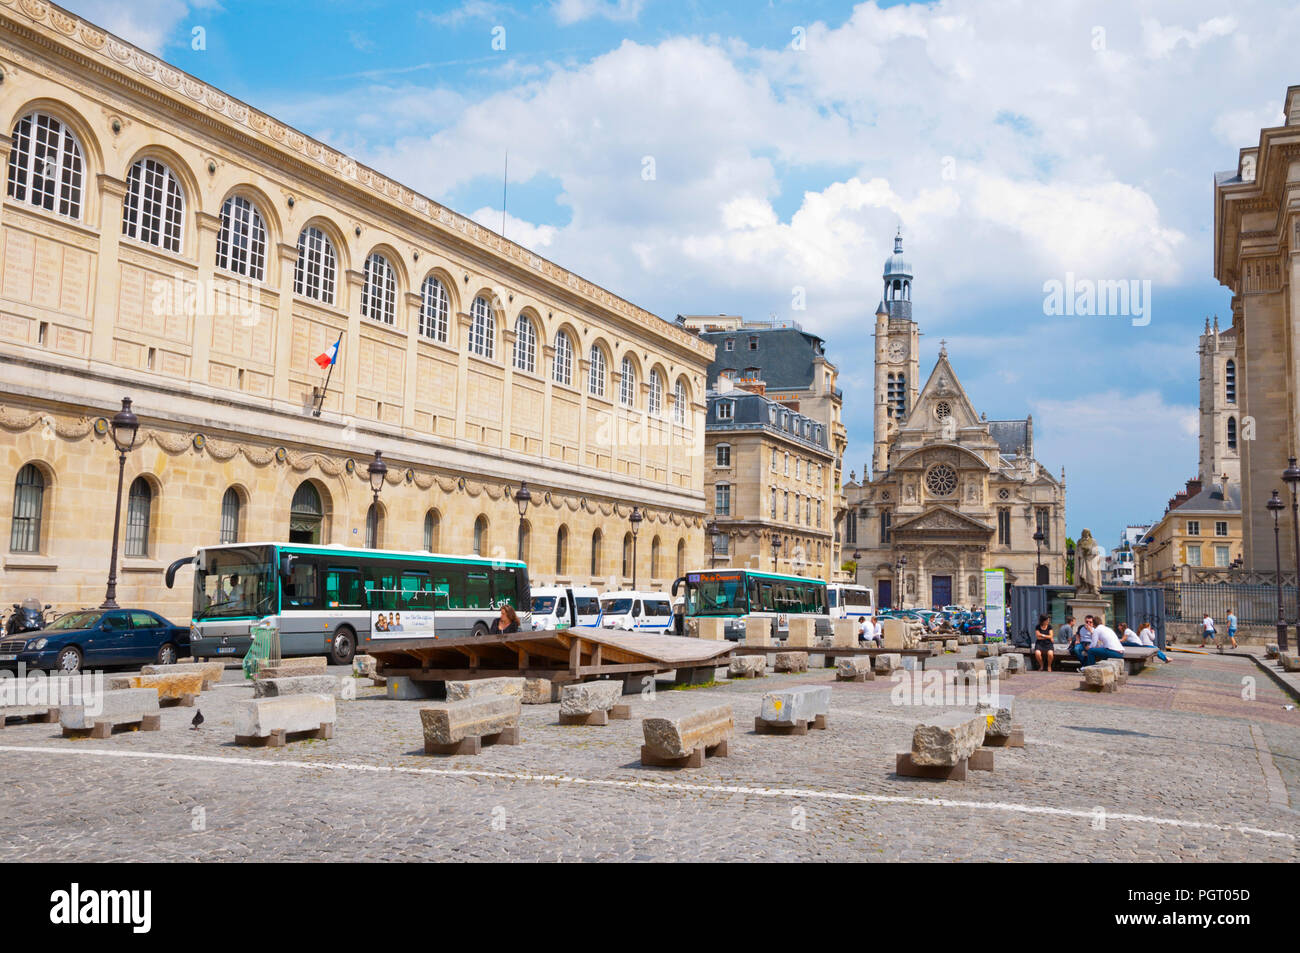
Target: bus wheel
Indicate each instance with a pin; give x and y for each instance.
(344, 646)
(480, 630)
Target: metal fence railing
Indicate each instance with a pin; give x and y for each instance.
(1253, 604)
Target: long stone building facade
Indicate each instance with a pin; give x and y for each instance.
(163, 241)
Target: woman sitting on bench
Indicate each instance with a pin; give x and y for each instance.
(1043, 645)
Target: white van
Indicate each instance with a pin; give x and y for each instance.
(637, 611)
(563, 607)
(848, 601)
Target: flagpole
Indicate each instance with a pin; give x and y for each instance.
(320, 403)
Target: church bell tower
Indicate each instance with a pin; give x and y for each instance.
(897, 363)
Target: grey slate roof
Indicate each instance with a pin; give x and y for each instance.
(754, 411)
(1011, 435)
(1212, 500)
(784, 357)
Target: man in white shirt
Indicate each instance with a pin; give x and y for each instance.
(878, 633)
(1207, 630)
(1105, 643)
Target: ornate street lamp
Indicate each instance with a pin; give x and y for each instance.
(635, 519)
(1292, 477)
(125, 426)
(1038, 573)
(522, 498)
(377, 470)
(900, 565)
(1069, 558)
(711, 530)
(776, 550)
(1276, 506)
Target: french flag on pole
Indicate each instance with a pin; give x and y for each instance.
(330, 356)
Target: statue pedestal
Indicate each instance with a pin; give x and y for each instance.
(1086, 604)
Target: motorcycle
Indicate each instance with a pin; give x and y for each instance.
(27, 616)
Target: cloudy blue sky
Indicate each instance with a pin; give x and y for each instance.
(1014, 141)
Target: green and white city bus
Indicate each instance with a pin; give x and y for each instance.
(732, 594)
(338, 600)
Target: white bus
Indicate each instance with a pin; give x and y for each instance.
(636, 611)
(848, 601)
(338, 600)
(563, 607)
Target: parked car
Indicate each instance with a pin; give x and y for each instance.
(99, 638)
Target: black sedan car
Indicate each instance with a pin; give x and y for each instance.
(98, 638)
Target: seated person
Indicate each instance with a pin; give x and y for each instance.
(1147, 636)
(1043, 645)
(506, 622)
(1105, 643)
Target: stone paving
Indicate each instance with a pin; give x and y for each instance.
(1180, 765)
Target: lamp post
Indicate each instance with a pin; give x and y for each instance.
(1069, 560)
(522, 499)
(712, 531)
(1038, 573)
(377, 470)
(635, 519)
(1276, 506)
(1292, 477)
(125, 426)
(898, 596)
(857, 560)
(776, 550)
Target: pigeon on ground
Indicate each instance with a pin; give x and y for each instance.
(198, 720)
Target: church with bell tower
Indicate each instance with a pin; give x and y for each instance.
(948, 492)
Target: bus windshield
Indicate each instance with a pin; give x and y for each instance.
(716, 594)
(620, 606)
(857, 598)
(235, 583)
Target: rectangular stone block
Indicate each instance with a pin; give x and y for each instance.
(854, 668)
(791, 662)
(587, 697)
(671, 738)
(747, 666)
(449, 723)
(297, 685)
(887, 662)
(1120, 668)
(211, 671)
(1271, 650)
(908, 662)
(1015, 663)
(289, 714)
(844, 633)
(478, 687)
(122, 706)
(170, 687)
(803, 633)
(758, 630)
(1289, 661)
(307, 665)
(950, 645)
(715, 630)
(1098, 678)
(966, 665)
(998, 711)
(792, 705)
(363, 666)
(539, 691)
(944, 740)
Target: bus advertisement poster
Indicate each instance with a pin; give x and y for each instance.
(403, 624)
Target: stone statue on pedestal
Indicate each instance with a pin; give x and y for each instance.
(1087, 565)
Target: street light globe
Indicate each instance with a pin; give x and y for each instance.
(1291, 474)
(523, 497)
(125, 427)
(377, 470)
(635, 519)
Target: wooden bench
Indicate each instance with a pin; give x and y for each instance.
(593, 703)
(272, 721)
(793, 711)
(121, 708)
(685, 742)
(464, 727)
(945, 746)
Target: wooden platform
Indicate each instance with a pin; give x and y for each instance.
(474, 743)
(1014, 740)
(278, 739)
(693, 760)
(565, 655)
(980, 760)
(105, 728)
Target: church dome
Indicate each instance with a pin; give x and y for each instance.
(896, 266)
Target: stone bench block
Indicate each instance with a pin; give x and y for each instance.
(963, 640)
(946, 740)
(844, 633)
(790, 662)
(364, 666)
(966, 665)
(747, 666)
(1289, 661)
(758, 630)
(988, 650)
(38, 697)
(461, 727)
(123, 706)
(1098, 678)
(998, 710)
(854, 668)
(714, 630)
(684, 741)
(802, 633)
(539, 691)
(211, 671)
(887, 662)
(478, 687)
(182, 688)
(269, 721)
(794, 709)
(592, 703)
(1015, 663)
(1121, 669)
(298, 685)
(307, 665)
(950, 645)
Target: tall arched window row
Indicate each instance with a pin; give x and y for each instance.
(241, 239)
(597, 373)
(562, 371)
(482, 328)
(627, 384)
(46, 169)
(230, 511)
(435, 306)
(655, 398)
(679, 402)
(432, 530)
(525, 357)
(306, 515)
(315, 271)
(139, 517)
(379, 290)
(29, 507)
(153, 210)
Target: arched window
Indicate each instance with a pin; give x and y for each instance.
(230, 507)
(482, 328)
(1230, 381)
(525, 541)
(379, 291)
(562, 368)
(627, 554)
(29, 504)
(596, 373)
(525, 344)
(241, 239)
(306, 515)
(434, 308)
(432, 530)
(480, 536)
(313, 274)
(654, 558)
(561, 550)
(681, 558)
(655, 400)
(596, 539)
(374, 523)
(139, 517)
(627, 386)
(1232, 433)
(45, 165)
(679, 402)
(153, 210)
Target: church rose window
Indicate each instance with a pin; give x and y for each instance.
(941, 480)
